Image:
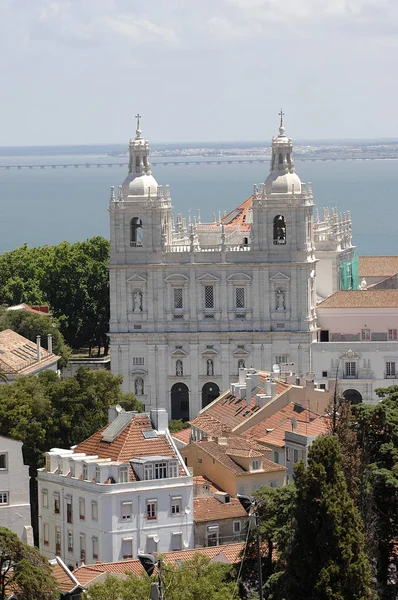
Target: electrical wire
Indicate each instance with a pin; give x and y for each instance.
(241, 563)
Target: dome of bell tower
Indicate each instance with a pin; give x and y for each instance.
(282, 178)
(140, 181)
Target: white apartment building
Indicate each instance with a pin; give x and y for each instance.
(358, 343)
(14, 490)
(123, 491)
(193, 302)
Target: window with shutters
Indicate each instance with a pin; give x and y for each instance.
(82, 541)
(57, 541)
(94, 511)
(70, 540)
(69, 510)
(209, 296)
(44, 498)
(127, 548)
(126, 512)
(123, 474)
(97, 474)
(82, 509)
(56, 503)
(240, 297)
(45, 534)
(85, 472)
(160, 470)
(151, 510)
(178, 298)
(95, 547)
(176, 507)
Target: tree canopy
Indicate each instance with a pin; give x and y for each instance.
(24, 571)
(196, 579)
(71, 278)
(327, 558)
(46, 411)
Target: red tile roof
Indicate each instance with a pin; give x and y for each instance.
(19, 355)
(272, 430)
(238, 447)
(63, 576)
(130, 443)
(208, 508)
(237, 218)
(372, 298)
(183, 435)
(230, 552)
(227, 412)
(377, 266)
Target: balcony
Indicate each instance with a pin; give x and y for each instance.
(389, 375)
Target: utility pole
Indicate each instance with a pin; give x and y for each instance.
(251, 507)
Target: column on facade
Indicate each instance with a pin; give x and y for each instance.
(195, 397)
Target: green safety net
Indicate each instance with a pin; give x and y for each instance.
(348, 272)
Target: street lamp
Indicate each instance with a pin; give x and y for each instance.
(250, 505)
(149, 563)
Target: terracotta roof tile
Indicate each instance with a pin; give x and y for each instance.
(237, 218)
(361, 299)
(227, 412)
(377, 266)
(86, 573)
(18, 355)
(208, 508)
(272, 430)
(183, 435)
(130, 443)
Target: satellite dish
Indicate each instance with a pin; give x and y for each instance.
(187, 510)
(185, 544)
(276, 368)
(118, 408)
(156, 539)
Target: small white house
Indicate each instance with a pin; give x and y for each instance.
(14, 490)
(123, 491)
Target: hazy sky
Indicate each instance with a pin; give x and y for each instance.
(77, 71)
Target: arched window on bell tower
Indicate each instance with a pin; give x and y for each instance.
(279, 230)
(136, 232)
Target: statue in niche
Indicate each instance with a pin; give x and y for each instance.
(137, 302)
(139, 386)
(280, 300)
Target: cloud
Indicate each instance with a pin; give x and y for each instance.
(139, 30)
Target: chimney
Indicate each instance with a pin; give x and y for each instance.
(113, 414)
(159, 418)
(249, 387)
(273, 389)
(267, 387)
(242, 376)
(38, 338)
(50, 343)
(222, 441)
(261, 399)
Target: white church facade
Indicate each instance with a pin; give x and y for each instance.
(191, 303)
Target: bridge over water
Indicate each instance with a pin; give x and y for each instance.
(164, 163)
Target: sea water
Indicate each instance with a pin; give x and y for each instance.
(46, 206)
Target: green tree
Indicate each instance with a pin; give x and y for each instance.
(197, 579)
(275, 506)
(72, 278)
(24, 571)
(30, 325)
(377, 432)
(327, 559)
(178, 425)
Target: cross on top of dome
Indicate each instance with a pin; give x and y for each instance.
(138, 130)
(281, 128)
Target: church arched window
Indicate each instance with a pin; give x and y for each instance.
(209, 367)
(279, 230)
(179, 368)
(137, 161)
(136, 233)
(281, 159)
(139, 386)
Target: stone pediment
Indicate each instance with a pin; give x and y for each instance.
(179, 353)
(207, 277)
(209, 352)
(176, 278)
(350, 355)
(136, 279)
(279, 277)
(241, 353)
(239, 278)
(139, 372)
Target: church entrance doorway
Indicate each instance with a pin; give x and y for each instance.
(210, 391)
(180, 402)
(353, 396)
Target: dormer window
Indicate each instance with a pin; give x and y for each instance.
(72, 469)
(148, 471)
(160, 470)
(60, 469)
(85, 472)
(123, 474)
(255, 465)
(97, 475)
